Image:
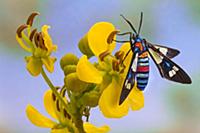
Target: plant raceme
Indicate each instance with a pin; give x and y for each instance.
(86, 85)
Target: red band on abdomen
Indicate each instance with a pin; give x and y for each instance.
(143, 68)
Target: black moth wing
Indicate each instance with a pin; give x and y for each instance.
(167, 68)
(129, 81)
(169, 52)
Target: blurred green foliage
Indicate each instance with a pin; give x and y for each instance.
(194, 6)
(183, 101)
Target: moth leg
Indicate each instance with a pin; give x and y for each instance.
(122, 34)
(130, 39)
(103, 55)
(126, 55)
(122, 62)
(120, 41)
(126, 33)
(123, 68)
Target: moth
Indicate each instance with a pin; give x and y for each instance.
(138, 71)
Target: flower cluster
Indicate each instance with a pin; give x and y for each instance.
(62, 122)
(108, 73)
(86, 84)
(39, 44)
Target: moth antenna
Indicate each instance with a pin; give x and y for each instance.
(141, 19)
(129, 23)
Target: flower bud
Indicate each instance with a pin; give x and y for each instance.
(68, 59)
(91, 98)
(69, 69)
(74, 84)
(84, 47)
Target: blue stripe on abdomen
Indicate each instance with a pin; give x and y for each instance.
(144, 60)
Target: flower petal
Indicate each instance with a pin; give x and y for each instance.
(49, 63)
(49, 104)
(109, 101)
(87, 72)
(136, 99)
(63, 130)
(84, 46)
(38, 119)
(89, 128)
(97, 38)
(125, 48)
(39, 52)
(47, 39)
(34, 65)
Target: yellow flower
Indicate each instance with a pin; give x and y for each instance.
(62, 122)
(98, 35)
(39, 44)
(94, 36)
(110, 81)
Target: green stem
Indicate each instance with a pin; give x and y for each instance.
(77, 113)
(79, 123)
(53, 89)
(77, 117)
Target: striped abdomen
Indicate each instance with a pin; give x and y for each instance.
(142, 74)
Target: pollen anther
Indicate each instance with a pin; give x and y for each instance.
(20, 29)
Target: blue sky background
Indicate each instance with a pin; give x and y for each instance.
(168, 106)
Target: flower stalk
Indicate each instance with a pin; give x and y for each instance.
(54, 90)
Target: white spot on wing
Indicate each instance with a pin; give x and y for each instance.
(162, 50)
(126, 82)
(156, 57)
(128, 86)
(172, 73)
(175, 68)
(134, 65)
